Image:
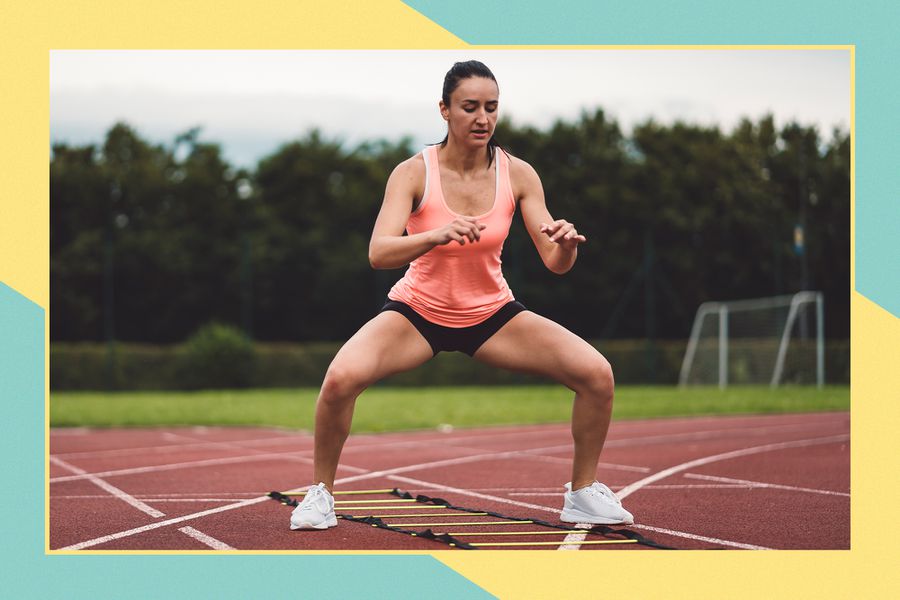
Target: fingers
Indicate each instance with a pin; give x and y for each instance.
(562, 231)
(574, 235)
(555, 227)
(473, 228)
(456, 237)
(466, 228)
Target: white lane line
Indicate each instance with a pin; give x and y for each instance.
(445, 439)
(637, 485)
(528, 453)
(351, 447)
(129, 532)
(128, 498)
(280, 436)
(190, 464)
(175, 447)
(227, 445)
(391, 473)
(727, 433)
(572, 541)
(363, 476)
(370, 475)
(157, 497)
(685, 436)
(299, 456)
(252, 501)
(681, 534)
(442, 463)
(533, 455)
(697, 486)
(568, 461)
(152, 499)
(549, 491)
(506, 435)
(617, 467)
(121, 495)
(205, 539)
(281, 455)
(624, 427)
(682, 486)
(702, 538)
(760, 484)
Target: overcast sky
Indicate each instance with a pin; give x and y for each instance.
(253, 101)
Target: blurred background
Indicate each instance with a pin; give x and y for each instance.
(210, 211)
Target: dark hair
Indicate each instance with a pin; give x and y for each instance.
(458, 72)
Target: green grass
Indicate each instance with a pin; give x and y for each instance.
(395, 409)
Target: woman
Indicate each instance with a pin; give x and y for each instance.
(456, 201)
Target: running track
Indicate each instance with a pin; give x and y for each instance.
(751, 482)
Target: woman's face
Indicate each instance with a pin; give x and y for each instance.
(472, 114)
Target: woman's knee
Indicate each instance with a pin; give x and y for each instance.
(341, 384)
(597, 380)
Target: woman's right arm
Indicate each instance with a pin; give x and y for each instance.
(389, 248)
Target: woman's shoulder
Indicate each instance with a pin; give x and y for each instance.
(521, 173)
(409, 175)
(412, 167)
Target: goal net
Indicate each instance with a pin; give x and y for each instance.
(773, 341)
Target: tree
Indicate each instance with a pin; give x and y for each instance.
(151, 241)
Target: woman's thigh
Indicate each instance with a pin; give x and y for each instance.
(530, 343)
(386, 345)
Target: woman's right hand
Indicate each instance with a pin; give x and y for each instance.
(459, 230)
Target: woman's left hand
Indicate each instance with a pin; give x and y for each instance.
(563, 233)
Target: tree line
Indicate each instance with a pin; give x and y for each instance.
(150, 241)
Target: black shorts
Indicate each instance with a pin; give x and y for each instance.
(457, 339)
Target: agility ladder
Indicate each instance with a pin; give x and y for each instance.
(403, 500)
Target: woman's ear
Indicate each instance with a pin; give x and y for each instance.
(445, 110)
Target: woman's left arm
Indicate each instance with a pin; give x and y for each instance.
(556, 240)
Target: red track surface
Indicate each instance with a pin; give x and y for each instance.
(725, 482)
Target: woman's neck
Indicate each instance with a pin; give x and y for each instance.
(458, 158)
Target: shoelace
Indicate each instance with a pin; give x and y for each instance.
(603, 490)
(313, 496)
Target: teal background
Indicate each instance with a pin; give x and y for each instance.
(29, 573)
(870, 25)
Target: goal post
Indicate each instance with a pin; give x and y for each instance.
(772, 341)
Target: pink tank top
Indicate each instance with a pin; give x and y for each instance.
(453, 285)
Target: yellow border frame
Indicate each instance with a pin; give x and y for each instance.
(869, 567)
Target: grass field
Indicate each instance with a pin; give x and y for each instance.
(395, 409)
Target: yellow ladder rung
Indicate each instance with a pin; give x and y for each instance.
(411, 515)
(359, 508)
(340, 493)
(476, 544)
(465, 524)
(370, 501)
(561, 532)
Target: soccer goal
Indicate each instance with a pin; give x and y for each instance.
(773, 340)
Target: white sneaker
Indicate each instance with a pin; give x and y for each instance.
(316, 511)
(595, 504)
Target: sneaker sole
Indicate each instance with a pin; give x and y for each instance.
(327, 524)
(575, 516)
